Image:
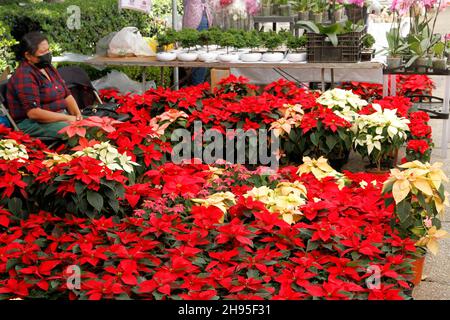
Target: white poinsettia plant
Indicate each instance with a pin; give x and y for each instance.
(109, 156)
(344, 103)
(10, 149)
(380, 134)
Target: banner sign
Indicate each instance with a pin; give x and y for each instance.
(139, 5)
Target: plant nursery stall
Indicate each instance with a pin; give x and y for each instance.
(116, 201)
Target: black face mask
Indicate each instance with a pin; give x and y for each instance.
(44, 61)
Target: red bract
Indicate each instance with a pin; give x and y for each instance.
(418, 146)
(234, 230)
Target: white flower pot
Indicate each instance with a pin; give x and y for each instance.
(251, 56)
(166, 56)
(228, 57)
(208, 56)
(296, 57)
(187, 56)
(273, 56)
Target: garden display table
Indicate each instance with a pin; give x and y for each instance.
(437, 107)
(298, 72)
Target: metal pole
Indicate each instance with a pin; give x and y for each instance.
(174, 26)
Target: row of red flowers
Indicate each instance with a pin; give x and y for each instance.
(173, 248)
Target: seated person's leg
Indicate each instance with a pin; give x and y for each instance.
(36, 129)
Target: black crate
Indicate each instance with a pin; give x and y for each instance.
(348, 49)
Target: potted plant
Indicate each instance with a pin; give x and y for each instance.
(296, 47)
(356, 11)
(253, 41)
(284, 8)
(302, 7)
(447, 45)
(205, 39)
(379, 135)
(228, 41)
(188, 38)
(417, 190)
(396, 45)
(266, 8)
(367, 53)
(318, 9)
(272, 41)
(337, 10)
(165, 39)
(439, 60)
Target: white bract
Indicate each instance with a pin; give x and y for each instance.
(11, 150)
(109, 156)
(383, 126)
(344, 103)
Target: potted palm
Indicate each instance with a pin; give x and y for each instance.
(272, 41)
(188, 38)
(439, 60)
(297, 48)
(253, 41)
(165, 39)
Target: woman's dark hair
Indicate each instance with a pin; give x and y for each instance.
(29, 43)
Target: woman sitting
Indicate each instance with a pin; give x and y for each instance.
(38, 99)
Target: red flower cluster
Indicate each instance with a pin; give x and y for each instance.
(406, 85)
(418, 146)
(186, 253)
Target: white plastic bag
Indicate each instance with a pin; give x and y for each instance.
(129, 42)
(121, 82)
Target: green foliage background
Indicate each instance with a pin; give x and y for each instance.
(98, 19)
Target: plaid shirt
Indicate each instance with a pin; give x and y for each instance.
(28, 88)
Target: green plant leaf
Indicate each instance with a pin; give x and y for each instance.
(95, 200)
(403, 210)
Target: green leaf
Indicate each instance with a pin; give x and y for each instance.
(315, 139)
(15, 206)
(95, 200)
(403, 210)
(309, 25)
(312, 245)
(333, 38)
(79, 188)
(11, 263)
(331, 142)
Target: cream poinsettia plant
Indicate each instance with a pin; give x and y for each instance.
(344, 103)
(380, 134)
(221, 200)
(11, 150)
(285, 200)
(109, 156)
(420, 199)
(321, 169)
